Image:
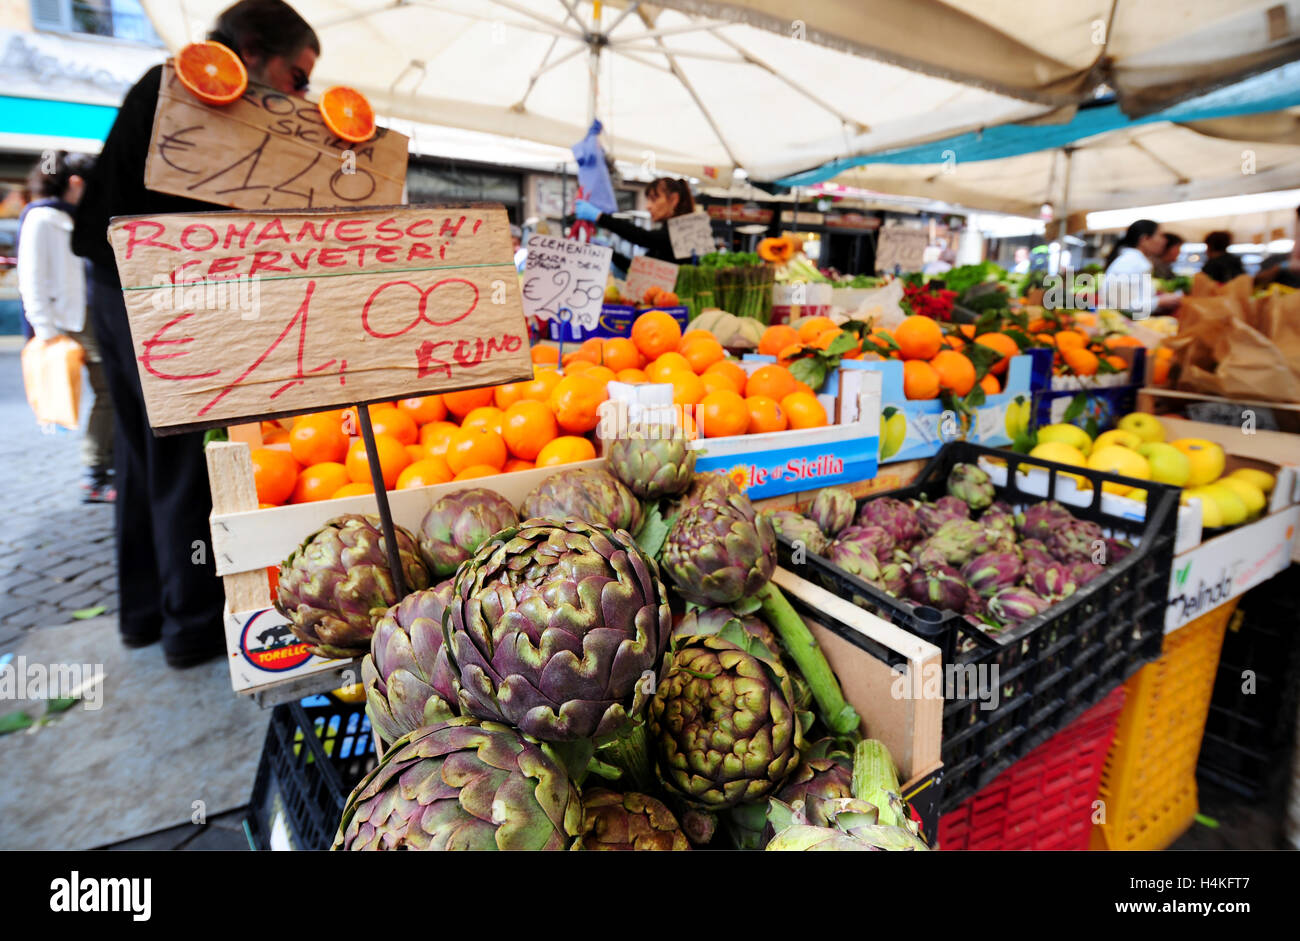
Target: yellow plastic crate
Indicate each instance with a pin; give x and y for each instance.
(1148, 784)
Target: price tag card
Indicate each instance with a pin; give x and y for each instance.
(645, 273)
(902, 247)
(268, 150)
(691, 234)
(565, 273)
(238, 316)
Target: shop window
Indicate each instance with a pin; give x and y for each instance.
(119, 19)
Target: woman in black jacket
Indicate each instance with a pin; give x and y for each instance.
(167, 585)
(665, 198)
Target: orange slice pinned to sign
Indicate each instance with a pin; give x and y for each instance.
(347, 114)
(211, 72)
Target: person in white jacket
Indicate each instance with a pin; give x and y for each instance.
(52, 284)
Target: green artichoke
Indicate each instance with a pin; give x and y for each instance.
(552, 626)
(653, 461)
(722, 725)
(336, 586)
(823, 775)
(463, 785)
(457, 524)
(714, 620)
(407, 675)
(709, 485)
(798, 528)
(593, 495)
(832, 509)
(628, 822)
(720, 552)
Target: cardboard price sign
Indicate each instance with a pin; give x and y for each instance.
(268, 150)
(691, 234)
(565, 273)
(239, 316)
(645, 273)
(902, 247)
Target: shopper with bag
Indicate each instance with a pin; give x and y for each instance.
(52, 284)
(167, 583)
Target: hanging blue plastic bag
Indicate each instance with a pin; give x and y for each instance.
(593, 174)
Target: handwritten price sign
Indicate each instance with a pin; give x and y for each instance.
(691, 234)
(565, 273)
(902, 247)
(268, 150)
(645, 272)
(239, 316)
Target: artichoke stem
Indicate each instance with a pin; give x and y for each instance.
(630, 753)
(808, 657)
(574, 757)
(875, 779)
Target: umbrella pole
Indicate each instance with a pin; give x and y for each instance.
(1065, 201)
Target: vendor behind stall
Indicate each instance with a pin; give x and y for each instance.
(665, 198)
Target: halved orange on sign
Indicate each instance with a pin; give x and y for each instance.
(347, 114)
(211, 72)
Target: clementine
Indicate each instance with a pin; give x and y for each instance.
(319, 481)
(565, 449)
(474, 446)
(723, 414)
(527, 427)
(920, 381)
(392, 460)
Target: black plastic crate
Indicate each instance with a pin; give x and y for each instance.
(1248, 735)
(316, 752)
(1050, 668)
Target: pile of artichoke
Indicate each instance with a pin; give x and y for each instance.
(607, 667)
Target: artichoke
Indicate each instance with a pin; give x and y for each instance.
(713, 620)
(1051, 582)
(957, 541)
(719, 552)
(856, 558)
(1117, 549)
(463, 785)
(552, 626)
(998, 508)
(971, 484)
(593, 495)
(933, 515)
(939, 587)
(336, 585)
(457, 524)
(832, 509)
(1034, 553)
(1084, 572)
(628, 822)
(722, 725)
(408, 678)
(894, 576)
(989, 572)
(1015, 604)
(823, 775)
(1038, 521)
(875, 538)
(653, 461)
(1075, 541)
(798, 528)
(895, 517)
(710, 485)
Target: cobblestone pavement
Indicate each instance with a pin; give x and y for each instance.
(56, 553)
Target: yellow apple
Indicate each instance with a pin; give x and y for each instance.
(1143, 424)
(1211, 516)
(1125, 439)
(1251, 495)
(1114, 459)
(1168, 464)
(1065, 433)
(1207, 460)
(1261, 479)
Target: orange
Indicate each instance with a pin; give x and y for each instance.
(688, 388)
(1046, 339)
(424, 409)
(967, 330)
(418, 452)
(882, 341)
(319, 482)
(475, 471)
(1070, 339)
(669, 362)
(318, 439)
(1161, 364)
(920, 381)
(436, 436)
(990, 384)
(462, 403)
(723, 414)
(392, 460)
(544, 380)
(1117, 362)
(702, 352)
(346, 112)
(814, 327)
(275, 435)
(544, 354)
(952, 341)
(1121, 340)
(771, 380)
(718, 382)
(575, 401)
(826, 337)
(1001, 343)
(1082, 362)
(507, 395)
(527, 427)
(275, 473)
(789, 354)
(477, 445)
(776, 338)
(572, 366)
(801, 386)
(589, 351)
(601, 374)
(425, 473)
(395, 423)
(353, 489)
(695, 335)
(956, 371)
(656, 333)
(803, 410)
(621, 353)
(516, 464)
(632, 376)
(918, 337)
(765, 414)
(732, 371)
(489, 416)
(212, 72)
(565, 450)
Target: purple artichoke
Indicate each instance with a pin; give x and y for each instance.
(652, 460)
(718, 552)
(713, 620)
(976, 605)
(972, 485)
(856, 558)
(958, 540)
(990, 572)
(823, 775)
(336, 586)
(894, 576)
(832, 509)
(1015, 604)
(551, 628)
(895, 517)
(1039, 520)
(1117, 549)
(457, 524)
(875, 538)
(1035, 553)
(1084, 572)
(934, 515)
(798, 528)
(593, 495)
(939, 587)
(628, 822)
(709, 485)
(408, 677)
(999, 508)
(995, 537)
(1076, 541)
(1052, 581)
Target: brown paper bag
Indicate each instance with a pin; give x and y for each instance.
(1217, 352)
(1203, 285)
(52, 377)
(1279, 320)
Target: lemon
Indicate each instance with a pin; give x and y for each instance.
(1261, 479)
(1207, 460)
(1251, 495)
(1114, 459)
(1065, 433)
(1211, 516)
(1062, 453)
(1231, 505)
(355, 693)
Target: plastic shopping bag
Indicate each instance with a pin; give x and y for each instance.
(52, 375)
(593, 173)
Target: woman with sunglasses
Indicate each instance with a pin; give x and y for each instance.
(167, 589)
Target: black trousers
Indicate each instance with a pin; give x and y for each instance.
(167, 583)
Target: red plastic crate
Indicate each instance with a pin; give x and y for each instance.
(1044, 801)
